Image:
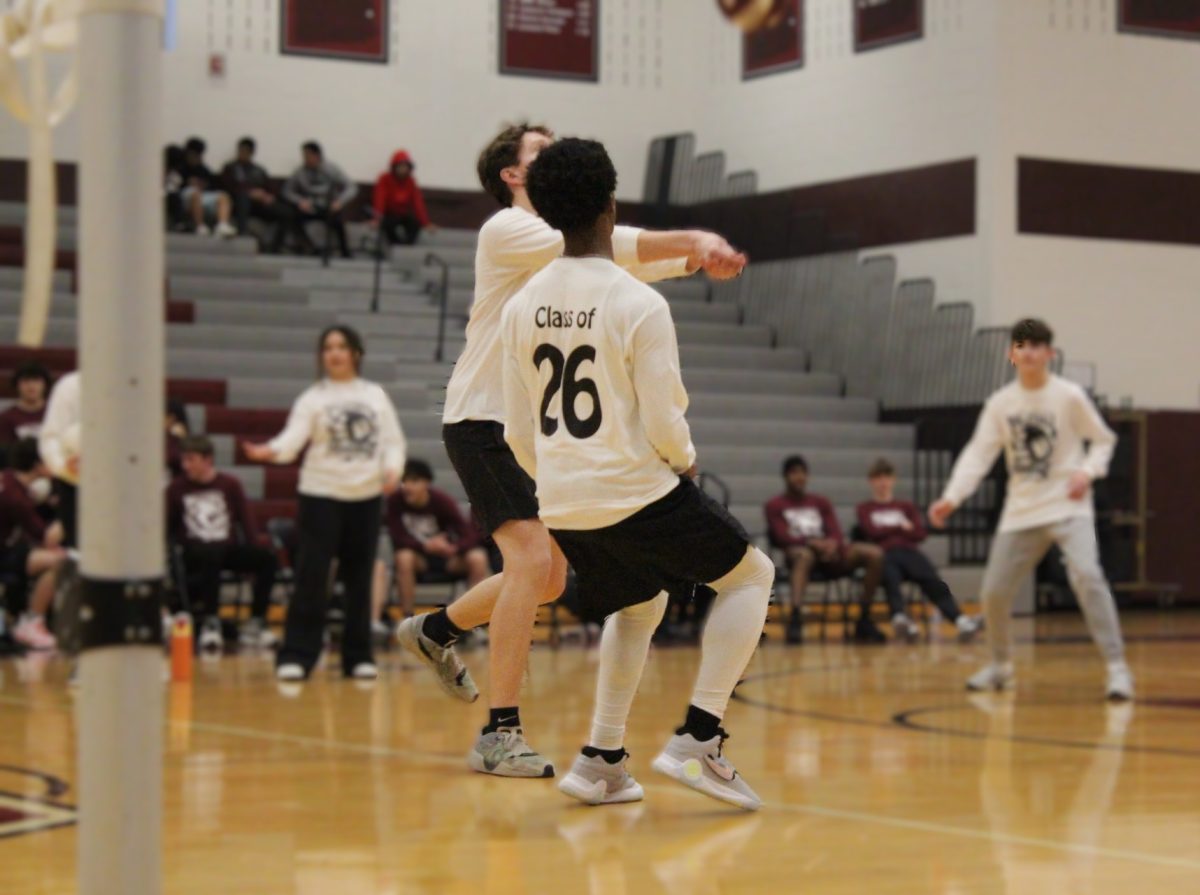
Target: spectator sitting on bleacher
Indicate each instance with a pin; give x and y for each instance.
(431, 535)
(321, 191)
(200, 195)
(205, 509)
(23, 419)
(173, 162)
(31, 550)
(805, 527)
(399, 204)
(897, 527)
(249, 187)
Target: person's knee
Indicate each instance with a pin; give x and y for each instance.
(406, 562)
(556, 577)
(871, 556)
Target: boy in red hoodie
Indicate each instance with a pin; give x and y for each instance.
(399, 204)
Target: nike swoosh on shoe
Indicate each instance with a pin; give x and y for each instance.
(722, 770)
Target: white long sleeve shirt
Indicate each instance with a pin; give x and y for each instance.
(353, 436)
(58, 442)
(1042, 433)
(594, 399)
(514, 244)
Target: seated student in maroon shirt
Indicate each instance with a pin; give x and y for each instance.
(207, 514)
(897, 527)
(430, 535)
(31, 383)
(31, 550)
(806, 528)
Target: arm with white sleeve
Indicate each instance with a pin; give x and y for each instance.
(58, 439)
(519, 421)
(977, 457)
(1102, 441)
(393, 444)
(658, 383)
(287, 445)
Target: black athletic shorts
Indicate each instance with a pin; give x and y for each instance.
(679, 541)
(498, 488)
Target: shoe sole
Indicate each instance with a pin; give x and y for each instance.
(475, 763)
(408, 640)
(596, 793)
(678, 771)
(995, 687)
(1118, 696)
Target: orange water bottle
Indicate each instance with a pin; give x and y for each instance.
(181, 648)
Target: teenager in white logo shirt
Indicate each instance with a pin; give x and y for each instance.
(513, 245)
(594, 407)
(1041, 422)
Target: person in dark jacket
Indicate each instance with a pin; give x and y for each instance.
(398, 203)
(249, 186)
(201, 194)
(320, 191)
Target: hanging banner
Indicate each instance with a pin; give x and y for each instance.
(778, 47)
(880, 23)
(352, 30)
(1161, 18)
(550, 39)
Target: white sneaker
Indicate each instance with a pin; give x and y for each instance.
(997, 676)
(968, 626)
(596, 782)
(381, 632)
(225, 230)
(31, 633)
(703, 767)
(1120, 683)
(365, 671)
(211, 639)
(202, 230)
(905, 627)
(256, 635)
(290, 672)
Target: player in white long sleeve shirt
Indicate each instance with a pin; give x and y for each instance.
(595, 412)
(513, 246)
(58, 445)
(1055, 445)
(355, 455)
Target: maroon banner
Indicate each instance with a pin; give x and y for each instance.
(550, 39)
(354, 30)
(776, 48)
(1163, 18)
(879, 23)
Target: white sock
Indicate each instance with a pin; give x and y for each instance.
(623, 649)
(733, 630)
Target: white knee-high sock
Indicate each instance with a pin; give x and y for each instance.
(732, 632)
(623, 649)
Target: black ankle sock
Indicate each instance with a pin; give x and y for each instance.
(612, 756)
(700, 724)
(505, 717)
(438, 628)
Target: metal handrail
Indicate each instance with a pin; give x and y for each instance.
(439, 353)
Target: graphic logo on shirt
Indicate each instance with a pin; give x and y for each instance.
(206, 515)
(890, 518)
(29, 430)
(421, 526)
(804, 522)
(1032, 439)
(353, 430)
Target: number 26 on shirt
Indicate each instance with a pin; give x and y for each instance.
(564, 374)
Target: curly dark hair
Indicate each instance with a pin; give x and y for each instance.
(571, 184)
(504, 152)
(1033, 331)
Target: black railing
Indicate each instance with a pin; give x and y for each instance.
(443, 292)
(380, 243)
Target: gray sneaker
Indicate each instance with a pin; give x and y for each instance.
(451, 674)
(995, 676)
(702, 767)
(505, 753)
(596, 782)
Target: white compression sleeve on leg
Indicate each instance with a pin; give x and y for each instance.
(732, 632)
(623, 648)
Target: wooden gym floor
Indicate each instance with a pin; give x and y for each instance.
(880, 774)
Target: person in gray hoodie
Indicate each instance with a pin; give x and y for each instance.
(320, 190)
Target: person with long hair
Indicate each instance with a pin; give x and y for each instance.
(355, 456)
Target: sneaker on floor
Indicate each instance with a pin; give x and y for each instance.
(865, 631)
(255, 634)
(31, 633)
(211, 638)
(701, 766)
(202, 230)
(594, 781)
(1120, 683)
(795, 628)
(997, 676)
(451, 674)
(290, 672)
(905, 627)
(225, 230)
(381, 632)
(364, 671)
(968, 627)
(505, 753)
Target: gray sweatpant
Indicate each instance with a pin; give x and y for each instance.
(1015, 554)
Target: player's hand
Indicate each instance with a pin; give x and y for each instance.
(940, 512)
(259, 453)
(1079, 486)
(716, 257)
(439, 545)
(73, 466)
(391, 481)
